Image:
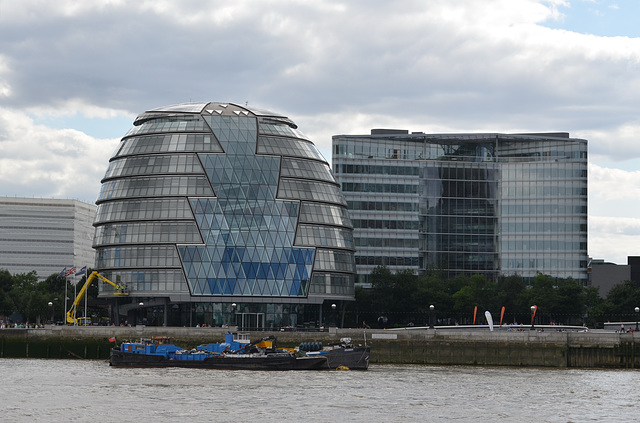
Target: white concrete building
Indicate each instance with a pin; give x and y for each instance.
(45, 235)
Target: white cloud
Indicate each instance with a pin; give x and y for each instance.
(44, 162)
(614, 239)
(333, 67)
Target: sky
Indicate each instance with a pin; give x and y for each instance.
(75, 74)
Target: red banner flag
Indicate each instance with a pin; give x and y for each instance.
(475, 311)
(501, 315)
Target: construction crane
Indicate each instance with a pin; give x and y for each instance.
(71, 314)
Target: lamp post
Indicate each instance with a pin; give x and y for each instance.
(333, 314)
(533, 310)
(431, 309)
(140, 304)
(233, 311)
(53, 313)
(637, 311)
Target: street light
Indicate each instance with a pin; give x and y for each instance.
(333, 314)
(53, 313)
(533, 311)
(141, 304)
(431, 309)
(637, 311)
(233, 310)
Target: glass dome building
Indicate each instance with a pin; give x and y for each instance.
(216, 213)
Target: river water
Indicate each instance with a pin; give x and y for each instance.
(92, 391)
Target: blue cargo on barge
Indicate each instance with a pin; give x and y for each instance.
(231, 354)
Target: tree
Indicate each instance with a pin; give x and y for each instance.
(622, 300)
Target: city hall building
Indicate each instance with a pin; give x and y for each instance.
(466, 204)
(216, 213)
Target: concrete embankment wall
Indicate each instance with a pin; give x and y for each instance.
(418, 346)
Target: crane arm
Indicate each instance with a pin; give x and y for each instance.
(71, 314)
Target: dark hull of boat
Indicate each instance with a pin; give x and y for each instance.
(268, 362)
(352, 358)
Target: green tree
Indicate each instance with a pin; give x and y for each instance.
(6, 280)
(622, 300)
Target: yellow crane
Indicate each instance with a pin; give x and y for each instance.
(119, 290)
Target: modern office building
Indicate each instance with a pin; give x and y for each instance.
(214, 213)
(491, 204)
(45, 235)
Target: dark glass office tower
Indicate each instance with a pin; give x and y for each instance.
(491, 204)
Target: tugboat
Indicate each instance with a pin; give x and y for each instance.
(231, 354)
(342, 356)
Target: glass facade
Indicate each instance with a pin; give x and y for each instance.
(492, 204)
(219, 203)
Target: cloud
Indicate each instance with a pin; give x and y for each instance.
(613, 239)
(614, 198)
(333, 67)
(44, 162)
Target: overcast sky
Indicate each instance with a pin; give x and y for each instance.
(74, 74)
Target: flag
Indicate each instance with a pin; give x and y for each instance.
(501, 315)
(489, 318)
(61, 274)
(70, 271)
(475, 311)
(82, 271)
(112, 339)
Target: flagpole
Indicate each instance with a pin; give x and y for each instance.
(66, 284)
(86, 294)
(75, 295)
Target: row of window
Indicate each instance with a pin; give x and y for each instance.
(149, 280)
(426, 147)
(267, 127)
(161, 186)
(561, 207)
(391, 224)
(340, 261)
(148, 233)
(391, 206)
(457, 189)
(287, 286)
(332, 283)
(550, 262)
(307, 169)
(288, 147)
(378, 187)
(468, 245)
(387, 261)
(324, 236)
(140, 257)
(543, 227)
(457, 207)
(367, 169)
(328, 214)
(386, 242)
(517, 190)
(181, 123)
(154, 164)
(524, 245)
(310, 191)
(168, 143)
(544, 172)
(145, 209)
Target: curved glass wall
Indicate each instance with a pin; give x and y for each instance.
(205, 200)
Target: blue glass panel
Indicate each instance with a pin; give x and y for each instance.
(245, 214)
